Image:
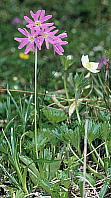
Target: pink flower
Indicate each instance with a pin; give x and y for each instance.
(16, 20)
(30, 39)
(40, 32)
(50, 38)
(58, 43)
(39, 20)
(103, 61)
(58, 47)
(47, 36)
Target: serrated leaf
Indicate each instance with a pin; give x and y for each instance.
(19, 194)
(54, 115)
(93, 131)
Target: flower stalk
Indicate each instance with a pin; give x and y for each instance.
(36, 143)
(65, 87)
(85, 157)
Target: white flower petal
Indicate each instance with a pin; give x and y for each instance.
(93, 70)
(96, 71)
(84, 60)
(95, 65)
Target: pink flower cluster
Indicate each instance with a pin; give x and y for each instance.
(40, 32)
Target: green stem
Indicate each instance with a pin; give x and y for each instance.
(21, 141)
(85, 158)
(97, 174)
(107, 152)
(65, 87)
(18, 170)
(36, 146)
(98, 156)
(77, 112)
(79, 159)
(20, 176)
(89, 168)
(102, 85)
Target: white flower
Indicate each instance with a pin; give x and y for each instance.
(91, 66)
(69, 57)
(56, 74)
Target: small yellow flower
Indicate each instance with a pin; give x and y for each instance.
(24, 56)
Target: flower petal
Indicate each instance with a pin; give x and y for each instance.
(47, 43)
(60, 48)
(18, 39)
(62, 35)
(23, 31)
(93, 70)
(95, 65)
(28, 19)
(37, 15)
(39, 41)
(46, 18)
(29, 47)
(57, 50)
(46, 24)
(63, 42)
(54, 32)
(84, 60)
(49, 29)
(25, 42)
(42, 15)
(33, 15)
(30, 25)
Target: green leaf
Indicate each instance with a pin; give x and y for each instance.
(98, 92)
(97, 174)
(38, 180)
(10, 177)
(105, 131)
(103, 190)
(54, 115)
(24, 179)
(72, 108)
(93, 131)
(29, 162)
(19, 194)
(66, 61)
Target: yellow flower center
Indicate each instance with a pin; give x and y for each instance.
(88, 65)
(31, 38)
(37, 23)
(45, 34)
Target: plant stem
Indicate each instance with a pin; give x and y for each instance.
(85, 158)
(89, 168)
(36, 146)
(65, 87)
(97, 155)
(107, 152)
(77, 112)
(21, 141)
(79, 159)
